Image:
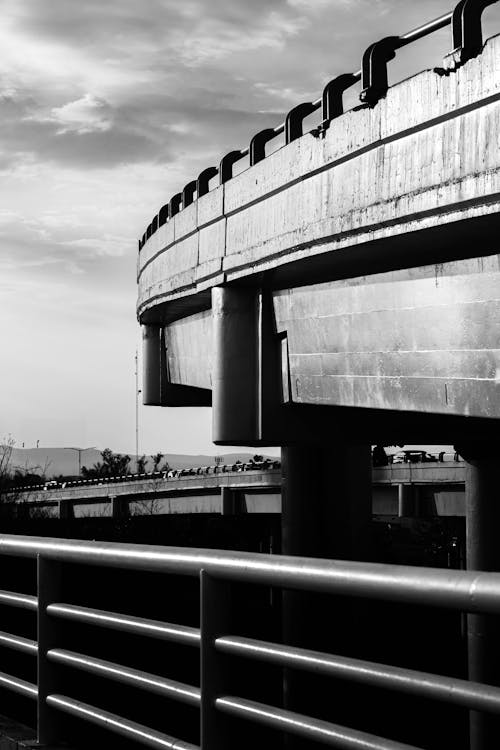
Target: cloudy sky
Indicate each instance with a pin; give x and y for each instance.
(108, 107)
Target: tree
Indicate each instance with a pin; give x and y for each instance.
(112, 465)
(6, 466)
(14, 478)
(157, 461)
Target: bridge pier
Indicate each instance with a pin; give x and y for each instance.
(406, 500)
(326, 513)
(482, 499)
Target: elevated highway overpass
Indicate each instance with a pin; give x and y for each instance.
(405, 490)
(344, 290)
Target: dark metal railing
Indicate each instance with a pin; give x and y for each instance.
(468, 591)
(467, 39)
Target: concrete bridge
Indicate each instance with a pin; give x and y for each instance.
(250, 491)
(340, 292)
(404, 490)
(344, 291)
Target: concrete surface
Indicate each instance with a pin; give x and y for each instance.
(15, 736)
(425, 156)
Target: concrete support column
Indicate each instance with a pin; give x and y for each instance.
(235, 378)
(326, 512)
(326, 500)
(482, 500)
(227, 501)
(119, 506)
(66, 510)
(406, 500)
(153, 357)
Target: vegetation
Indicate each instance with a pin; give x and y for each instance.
(112, 465)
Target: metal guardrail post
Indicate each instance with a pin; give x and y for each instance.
(214, 622)
(49, 591)
(188, 193)
(258, 145)
(374, 79)
(333, 96)
(163, 215)
(226, 165)
(467, 29)
(175, 204)
(295, 118)
(203, 181)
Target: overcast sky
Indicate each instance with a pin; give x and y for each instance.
(108, 107)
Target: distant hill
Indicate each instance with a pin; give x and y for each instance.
(55, 461)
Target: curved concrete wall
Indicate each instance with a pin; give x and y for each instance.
(427, 155)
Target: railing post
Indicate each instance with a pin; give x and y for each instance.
(49, 591)
(467, 30)
(215, 612)
(294, 120)
(333, 95)
(175, 204)
(257, 148)
(374, 81)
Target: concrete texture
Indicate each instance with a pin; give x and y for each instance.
(426, 156)
(189, 343)
(190, 494)
(421, 339)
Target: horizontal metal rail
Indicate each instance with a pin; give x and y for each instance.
(127, 623)
(178, 691)
(16, 685)
(18, 643)
(304, 726)
(117, 724)
(446, 689)
(13, 599)
(469, 591)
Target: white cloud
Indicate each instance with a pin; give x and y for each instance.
(86, 115)
(108, 244)
(214, 40)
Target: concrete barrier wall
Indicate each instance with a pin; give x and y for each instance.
(189, 343)
(428, 155)
(421, 339)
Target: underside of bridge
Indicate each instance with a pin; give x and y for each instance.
(343, 292)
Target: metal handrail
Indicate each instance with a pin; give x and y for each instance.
(127, 623)
(304, 726)
(449, 589)
(468, 591)
(461, 19)
(152, 683)
(17, 685)
(472, 695)
(18, 643)
(118, 724)
(23, 601)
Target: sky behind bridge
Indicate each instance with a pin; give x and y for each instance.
(108, 107)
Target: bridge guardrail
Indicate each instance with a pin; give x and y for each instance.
(468, 591)
(467, 40)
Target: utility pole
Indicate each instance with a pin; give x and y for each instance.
(137, 391)
(79, 451)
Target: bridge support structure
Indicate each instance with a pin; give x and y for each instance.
(482, 499)
(324, 519)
